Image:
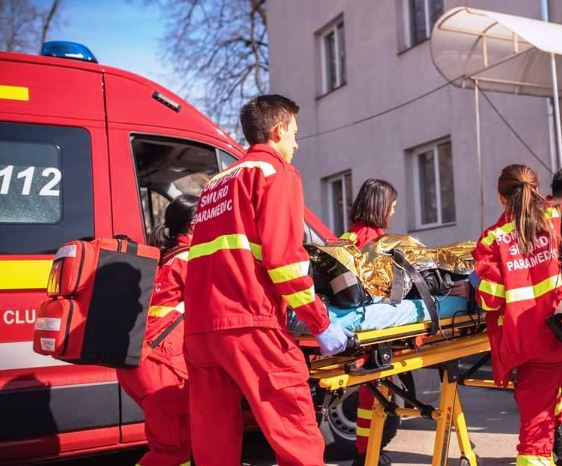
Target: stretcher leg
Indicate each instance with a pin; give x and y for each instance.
(462, 434)
(445, 421)
(376, 430)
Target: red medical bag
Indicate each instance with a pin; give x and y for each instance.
(99, 293)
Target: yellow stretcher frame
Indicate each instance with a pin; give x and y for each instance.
(460, 337)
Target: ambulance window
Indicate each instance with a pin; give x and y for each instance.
(167, 168)
(45, 187)
(30, 182)
(226, 160)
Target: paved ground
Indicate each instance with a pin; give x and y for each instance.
(491, 416)
(493, 424)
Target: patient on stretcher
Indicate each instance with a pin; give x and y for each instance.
(397, 281)
(379, 314)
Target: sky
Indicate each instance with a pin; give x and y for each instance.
(126, 34)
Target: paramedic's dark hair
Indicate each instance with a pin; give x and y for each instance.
(179, 214)
(262, 113)
(518, 184)
(556, 185)
(373, 203)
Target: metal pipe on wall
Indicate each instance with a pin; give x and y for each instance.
(479, 152)
(552, 140)
(556, 107)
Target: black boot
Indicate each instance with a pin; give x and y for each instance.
(557, 449)
(359, 459)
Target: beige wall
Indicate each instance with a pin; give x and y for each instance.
(381, 76)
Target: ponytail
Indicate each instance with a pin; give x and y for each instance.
(160, 238)
(518, 184)
(178, 217)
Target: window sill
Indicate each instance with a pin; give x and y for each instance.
(413, 46)
(321, 96)
(433, 226)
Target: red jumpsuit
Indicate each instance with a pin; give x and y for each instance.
(159, 385)
(246, 264)
(518, 293)
(361, 235)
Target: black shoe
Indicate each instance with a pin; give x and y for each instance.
(557, 450)
(359, 459)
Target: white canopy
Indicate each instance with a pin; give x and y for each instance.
(504, 53)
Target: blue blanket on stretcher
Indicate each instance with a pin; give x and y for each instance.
(379, 314)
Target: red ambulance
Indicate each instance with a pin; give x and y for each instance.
(85, 150)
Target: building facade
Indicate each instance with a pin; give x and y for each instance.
(374, 105)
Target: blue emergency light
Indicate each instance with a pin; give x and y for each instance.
(65, 49)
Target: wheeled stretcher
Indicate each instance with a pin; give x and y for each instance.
(373, 357)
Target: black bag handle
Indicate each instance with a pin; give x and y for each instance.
(132, 246)
(171, 253)
(166, 332)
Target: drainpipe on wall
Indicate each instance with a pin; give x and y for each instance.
(549, 108)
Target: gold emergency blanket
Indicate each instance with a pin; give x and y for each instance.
(374, 265)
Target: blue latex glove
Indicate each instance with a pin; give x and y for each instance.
(333, 340)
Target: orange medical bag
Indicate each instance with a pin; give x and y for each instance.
(99, 293)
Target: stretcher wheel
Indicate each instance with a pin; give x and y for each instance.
(339, 427)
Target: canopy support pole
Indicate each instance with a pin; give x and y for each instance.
(479, 152)
(556, 108)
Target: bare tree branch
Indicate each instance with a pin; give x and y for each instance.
(48, 19)
(23, 26)
(219, 48)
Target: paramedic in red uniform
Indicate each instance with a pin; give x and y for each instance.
(247, 263)
(517, 262)
(159, 385)
(370, 214)
(556, 199)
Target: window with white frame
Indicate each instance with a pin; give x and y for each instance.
(434, 194)
(339, 192)
(419, 17)
(332, 49)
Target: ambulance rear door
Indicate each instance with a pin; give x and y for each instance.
(160, 147)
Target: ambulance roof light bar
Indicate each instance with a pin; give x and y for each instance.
(65, 49)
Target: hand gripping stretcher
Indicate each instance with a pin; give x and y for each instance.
(373, 357)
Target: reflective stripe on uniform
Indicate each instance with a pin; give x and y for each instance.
(184, 256)
(224, 242)
(300, 298)
(558, 407)
(362, 431)
(161, 311)
(503, 230)
(265, 167)
(532, 460)
(364, 413)
(551, 212)
(492, 288)
(187, 463)
(535, 291)
(350, 236)
(485, 307)
(289, 272)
